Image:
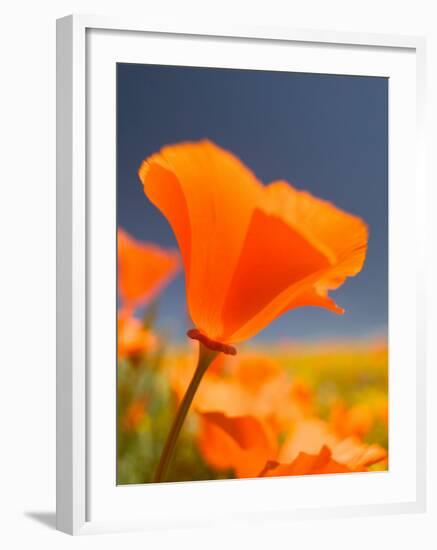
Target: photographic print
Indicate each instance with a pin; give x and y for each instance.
(252, 274)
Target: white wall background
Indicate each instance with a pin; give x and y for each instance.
(27, 270)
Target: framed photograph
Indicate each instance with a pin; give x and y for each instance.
(240, 288)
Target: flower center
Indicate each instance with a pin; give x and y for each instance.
(195, 334)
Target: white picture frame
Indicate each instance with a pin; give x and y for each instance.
(75, 288)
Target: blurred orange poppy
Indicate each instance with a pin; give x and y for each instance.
(133, 339)
(311, 435)
(134, 415)
(357, 420)
(248, 384)
(306, 464)
(239, 443)
(143, 270)
(247, 445)
(250, 252)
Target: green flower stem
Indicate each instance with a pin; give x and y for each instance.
(206, 356)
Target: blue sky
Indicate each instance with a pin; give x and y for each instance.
(327, 134)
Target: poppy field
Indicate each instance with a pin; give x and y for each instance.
(219, 403)
(326, 405)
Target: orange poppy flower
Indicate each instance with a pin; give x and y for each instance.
(250, 384)
(251, 252)
(134, 415)
(306, 464)
(132, 338)
(241, 443)
(248, 446)
(143, 270)
(311, 435)
(357, 420)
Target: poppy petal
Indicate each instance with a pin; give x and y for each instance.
(313, 297)
(143, 269)
(311, 435)
(333, 231)
(208, 196)
(358, 455)
(274, 257)
(305, 464)
(247, 441)
(332, 247)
